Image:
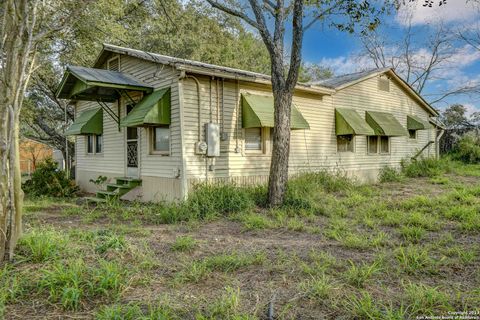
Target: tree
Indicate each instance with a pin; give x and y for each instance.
(310, 72)
(456, 117)
(271, 19)
(25, 24)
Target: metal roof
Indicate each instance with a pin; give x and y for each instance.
(198, 67)
(105, 76)
(339, 81)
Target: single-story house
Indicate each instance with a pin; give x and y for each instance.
(156, 125)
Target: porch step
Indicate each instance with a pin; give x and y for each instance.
(94, 200)
(115, 190)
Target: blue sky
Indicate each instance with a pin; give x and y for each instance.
(341, 51)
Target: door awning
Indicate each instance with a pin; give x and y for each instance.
(385, 124)
(80, 83)
(88, 122)
(257, 111)
(153, 109)
(416, 123)
(348, 121)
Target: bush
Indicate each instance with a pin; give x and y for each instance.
(49, 180)
(424, 167)
(389, 174)
(468, 148)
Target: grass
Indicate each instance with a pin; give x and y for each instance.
(402, 248)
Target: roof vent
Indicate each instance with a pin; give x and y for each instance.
(114, 64)
(383, 84)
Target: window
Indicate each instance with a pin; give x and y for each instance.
(160, 140)
(384, 144)
(412, 134)
(90, 143)
(345, 143)
(383, 84)
(114, 64)
(253, 139)
(372, 144)
(94, 143)
(98, 143)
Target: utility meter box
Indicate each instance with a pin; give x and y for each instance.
(212, 137)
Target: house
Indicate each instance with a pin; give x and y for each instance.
(156, 125)
(33, 152)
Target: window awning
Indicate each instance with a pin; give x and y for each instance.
(88, 122)
(416, 123)
(348, 121)
(385, 124)
(80, 83)
(153, 109)
(257, 111)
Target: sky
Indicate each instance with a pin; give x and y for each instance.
(340, 50)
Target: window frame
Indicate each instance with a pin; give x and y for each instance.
(410, 134)
(151, 139)
(352, 141)
(380, 145)
(264, 136)
(117, 57)
(94, 144)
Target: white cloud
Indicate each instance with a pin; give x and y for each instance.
(453, 10)
(347, 64)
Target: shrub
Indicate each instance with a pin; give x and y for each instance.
(49, 180)
(424, 167)
(389, 174)
(467, 148)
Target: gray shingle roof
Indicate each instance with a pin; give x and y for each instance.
(338, 81)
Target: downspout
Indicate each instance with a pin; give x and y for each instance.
(437, 142)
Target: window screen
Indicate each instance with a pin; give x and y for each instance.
(372, 144)
(98, 143)
(90, 143)
(161, 139)
(383, 84)
(412, 134)
(345, 143)
(253, 139)
(384, 144)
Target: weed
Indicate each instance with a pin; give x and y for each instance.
(226, 307)
(255, 221)
(184, 243)
(295, 224)
(319, 287)
(425, 167)
(413, 259)
(364, 307)
(412, 234)
(426, 300)
(439, 180)
(108, 240)
(42, 245)
(358, 275)
(389, 174)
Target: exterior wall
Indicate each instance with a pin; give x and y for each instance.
(311, 150)
(112, 161)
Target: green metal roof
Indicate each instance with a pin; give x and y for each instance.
(348, 121)
(416, 123)
(153, 109)
(385, 124)
(88, 122)
(81, 83)
(257, 111)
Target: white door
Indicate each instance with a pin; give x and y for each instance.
(132, 149)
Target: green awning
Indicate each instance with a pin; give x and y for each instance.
(257, 111)
(153, 109)
(90, 84)
(385, 124)
(416, 123)
(348, 121)
(88, 122)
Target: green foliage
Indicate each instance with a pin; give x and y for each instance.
(425, 300)
(425, 167)
(389, 174)
(107, 240)
(42, 245)
(256, 221)
(413, 259)
(100, 181)
(319, 287)
(467, 148)
(48, 180)
(184, 243)
(135, 311)
(358, 275)
(364, 307)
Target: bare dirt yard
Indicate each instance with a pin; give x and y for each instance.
(337, 250)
